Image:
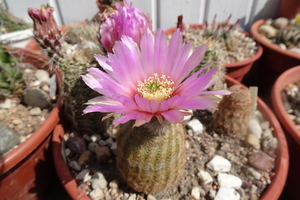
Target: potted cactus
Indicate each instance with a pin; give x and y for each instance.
(279, 38)
(13, 30)
(148, 93)
(235, 49)
(25, 154)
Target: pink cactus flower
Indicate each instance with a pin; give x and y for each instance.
(150, 80)
(126, 20)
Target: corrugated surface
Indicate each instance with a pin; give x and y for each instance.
(162, 12)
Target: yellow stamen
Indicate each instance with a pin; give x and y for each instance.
(156, 88)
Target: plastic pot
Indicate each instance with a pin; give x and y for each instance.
(26, 171)
(236, 70)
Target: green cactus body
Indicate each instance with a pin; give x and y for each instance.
(234, 112)
(150, 162)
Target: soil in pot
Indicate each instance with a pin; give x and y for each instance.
(94, 168)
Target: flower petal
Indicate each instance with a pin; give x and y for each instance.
(173, 116)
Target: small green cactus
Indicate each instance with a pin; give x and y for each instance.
(11, 80)
(72, 52)
(149, 161)
(290, 36)
(234, 112)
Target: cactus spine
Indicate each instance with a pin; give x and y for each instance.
(234, 112)
(150, 162)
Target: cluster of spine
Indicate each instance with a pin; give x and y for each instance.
(150, 162)
(290, 36)
(233, 113)
(11, 80)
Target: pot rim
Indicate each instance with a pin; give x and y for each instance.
(289, 76)
(266, 44)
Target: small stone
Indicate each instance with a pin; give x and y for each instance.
(92, 146)
(84, 157)
(254, 128)
(113, 148)
(84, 175)
(96, 194)
(261, 161)
(95, 137)
(282, 46)
(74, 165)
(196, 193)
(76, 144)
(253, 141)
(6, 104)
(36, 98)
(17, 121)
(98, 181)
(132, 197)
(42, 76)
(219, 164)
(226, 193)
(103, 154)
(35, 111)
(267, 31)
(228, 180)
(67, 152)
(196, 126)
(109, 142)
(87, 137)
(150, 197)
(280, 22)
(205, 177)
(113, 184)
(255, 173)
(9, 139)
(102, 143)
(295, 50)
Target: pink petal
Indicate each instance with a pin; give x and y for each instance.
(147, 53)
(161, 52)
(198, 103)
(173, 116)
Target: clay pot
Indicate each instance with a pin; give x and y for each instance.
(25, 172)
(274, 60)
(289, 9)
(292, 132)
(236, 70)
(273, 191)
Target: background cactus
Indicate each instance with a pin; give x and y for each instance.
(72, 52)
(11, 80)
(234, 112)
(150, 162)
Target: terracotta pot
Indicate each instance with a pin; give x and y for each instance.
(289, 8)
(274, 60)
(273, 191)
(292, 132)
(26, 171)
(236, 70)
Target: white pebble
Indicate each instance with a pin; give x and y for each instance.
(132, 197)
(84, 175)
(6, 104)
(228, 180)
(196, 193)
(96, 194)
(35, 111)
(99, 181)
(95, 137)
(150, 197)
(93, 146)
(205, 177)
(196, 126)
(74, 165)
(225, 193)
(254, 128)
(42, 75)
(219, 164)
(255, 173)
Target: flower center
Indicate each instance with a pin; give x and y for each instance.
(156, 88)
